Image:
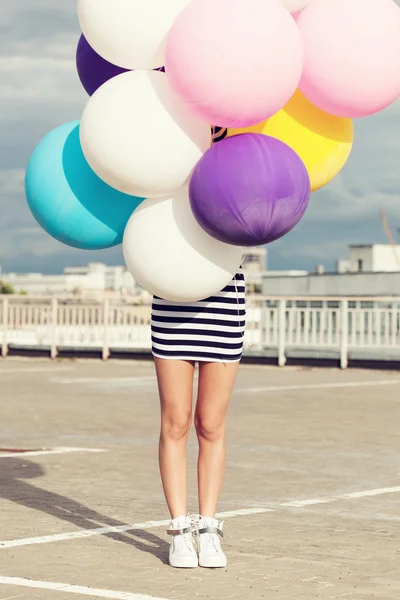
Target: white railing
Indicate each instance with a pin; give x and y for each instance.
(337, 325)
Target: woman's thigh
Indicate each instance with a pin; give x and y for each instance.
(216, 382)
(175, 385)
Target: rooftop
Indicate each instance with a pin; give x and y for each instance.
(310, 499)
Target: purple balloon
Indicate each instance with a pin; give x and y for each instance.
(93, 70)
(249, 190)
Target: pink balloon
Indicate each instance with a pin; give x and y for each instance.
(351, 55)
(234, 63)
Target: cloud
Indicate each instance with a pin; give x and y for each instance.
(24, 246)
(32, 29)
(350, 204)
(40, 89)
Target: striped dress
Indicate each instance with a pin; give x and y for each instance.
(210, 330)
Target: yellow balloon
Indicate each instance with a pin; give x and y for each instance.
(322, 141)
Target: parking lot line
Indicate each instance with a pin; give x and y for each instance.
(86, 533)
(321, 386)
(46, 539)
(74, 589)
(13, 453)
(39, 369)
(106, 381)
(350, 496)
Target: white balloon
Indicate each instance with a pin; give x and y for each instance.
(295, 5)
(137, 136)
(129, 33)
(171, 256)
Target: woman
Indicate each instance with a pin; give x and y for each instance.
(211, 333)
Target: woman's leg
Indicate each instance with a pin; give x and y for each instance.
(175, 384)
(216, 381)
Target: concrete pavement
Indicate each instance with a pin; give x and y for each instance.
(311, 496)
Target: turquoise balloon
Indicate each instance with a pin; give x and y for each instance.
(69, 200)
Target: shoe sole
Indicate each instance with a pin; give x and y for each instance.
(212, 564)
(183, 565)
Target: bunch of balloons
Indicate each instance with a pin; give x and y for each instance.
(275, 82)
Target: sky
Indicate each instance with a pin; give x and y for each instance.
(40, 89)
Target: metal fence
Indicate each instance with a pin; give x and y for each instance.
(335, 325)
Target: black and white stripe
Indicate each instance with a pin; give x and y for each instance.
(208, 330)
(218, 134)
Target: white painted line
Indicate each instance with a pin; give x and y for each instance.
(349, 496)
(86, 533)
(109, 381)
(243, 512)
(310, 502)
(49, 451)
(320, 386)
(74, 589)
(118, 529)
(23, 370)
(377, 492)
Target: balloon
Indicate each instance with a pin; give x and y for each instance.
(249, 190)
(93, 70)
(138, 138)
(294, 6)
(129, 33)
(245, 73)
(171, 256)
(322, 141)
(352, 55)
(257, 128)
(68, 200)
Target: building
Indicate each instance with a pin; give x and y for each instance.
(93, 279)
(372, 258)
(101, 276)
(370, 270)
(255, 260)
(98, 279)
(333, 285)
(255, 266)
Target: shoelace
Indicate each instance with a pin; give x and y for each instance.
(195, 522)
(215, 539)
(212, 537)
(186, 539)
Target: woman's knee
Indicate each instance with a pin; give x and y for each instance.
(209, 428)
(175, 426)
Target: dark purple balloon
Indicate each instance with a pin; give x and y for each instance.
(249, 190)
(93, 70)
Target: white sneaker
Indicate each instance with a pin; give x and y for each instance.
(209, 546)
(182, 552)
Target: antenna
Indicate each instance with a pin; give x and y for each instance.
(389, 235)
